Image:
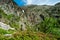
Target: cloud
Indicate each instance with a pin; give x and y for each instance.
(36, 1)
(29, 2)
(42, 2)
(50, 2)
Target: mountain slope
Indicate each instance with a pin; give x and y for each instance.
(31, 18)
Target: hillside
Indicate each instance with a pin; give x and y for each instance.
(33, 22)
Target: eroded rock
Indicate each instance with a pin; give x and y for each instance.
(5, 26)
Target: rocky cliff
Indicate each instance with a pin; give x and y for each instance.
(26, 15)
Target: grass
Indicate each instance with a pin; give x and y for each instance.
(2, 31)
(26, 35)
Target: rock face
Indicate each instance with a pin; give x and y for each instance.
(31, 15)
(5, 1)
(7, 6)
(23, 26)
(5, 26)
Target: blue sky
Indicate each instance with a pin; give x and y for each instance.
(20, 2)
(36, 2)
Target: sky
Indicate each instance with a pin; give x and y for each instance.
(36, 2)
(20, 2)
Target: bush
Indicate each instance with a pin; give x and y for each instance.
(48, 25)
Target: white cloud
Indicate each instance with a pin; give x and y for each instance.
(42, 2)
(52, 2)
(38, 2)
(29, 1)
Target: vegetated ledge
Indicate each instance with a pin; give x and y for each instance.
(27, 35)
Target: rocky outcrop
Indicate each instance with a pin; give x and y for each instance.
(31, 15)
(5, 26)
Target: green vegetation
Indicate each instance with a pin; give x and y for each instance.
(44, 27)
(49, 25)
(24, 35)
(2, 31)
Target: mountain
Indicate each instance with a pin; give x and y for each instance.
(29, 11)
(42, 19)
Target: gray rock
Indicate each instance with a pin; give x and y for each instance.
(5, 26)
(23, 26)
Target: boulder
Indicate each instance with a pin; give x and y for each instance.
(5, 26)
